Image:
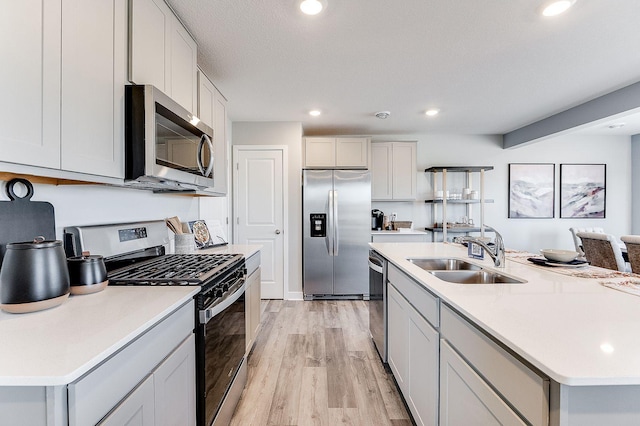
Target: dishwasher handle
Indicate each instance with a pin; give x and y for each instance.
(375, 264)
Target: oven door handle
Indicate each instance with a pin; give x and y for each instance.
(205, 315)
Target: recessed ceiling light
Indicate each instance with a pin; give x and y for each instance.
(311, 7)
(315, 112)
(383, 114)
(557, 7)
(431, 112)
(616, 125)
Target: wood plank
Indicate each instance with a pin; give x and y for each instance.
(367, 393)
(285, 403)
(339, 383)
(313, 398)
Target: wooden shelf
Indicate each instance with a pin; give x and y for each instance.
(455, 229)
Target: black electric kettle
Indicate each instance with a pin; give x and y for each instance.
(377, 220)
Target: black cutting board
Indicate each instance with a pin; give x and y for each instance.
(22, 219)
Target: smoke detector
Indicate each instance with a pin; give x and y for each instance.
(383, 114)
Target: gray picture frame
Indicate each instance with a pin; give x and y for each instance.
(583, 191)
(532, 190)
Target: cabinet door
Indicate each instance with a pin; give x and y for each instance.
(175, 387)
(150, 27)
(136, 409)
(94, 46)
(381, 171)
(320, 152)
(252, 301)
(30, 82)
(206, 101)
(183, 71)
(352, 152)
(423, 369)
(404, 171)
(465, 398)
(220, 161)
(398, 338)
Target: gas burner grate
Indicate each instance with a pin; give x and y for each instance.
(175, 269)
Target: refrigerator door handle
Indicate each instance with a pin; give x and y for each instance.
(329, 238)
(336, 229)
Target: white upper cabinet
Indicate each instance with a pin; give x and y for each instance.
(30, 82)
(162, 52)
(332, 152)
(94, 58)
(212, 110)
(63, 95)
(393, 171)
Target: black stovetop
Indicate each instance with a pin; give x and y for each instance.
(176, 269)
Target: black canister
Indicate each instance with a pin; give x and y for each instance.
(34, 276)
(87, 274)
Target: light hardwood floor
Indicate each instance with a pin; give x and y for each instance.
(313, 363)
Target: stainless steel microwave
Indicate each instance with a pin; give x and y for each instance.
(166, 147)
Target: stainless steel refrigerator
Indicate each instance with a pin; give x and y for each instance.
(336, 206)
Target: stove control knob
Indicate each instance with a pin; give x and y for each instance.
(219, 292)
(225, 287)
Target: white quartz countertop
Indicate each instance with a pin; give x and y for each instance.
(58, 345)
(574, 330)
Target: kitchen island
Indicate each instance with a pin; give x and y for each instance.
(572, 336)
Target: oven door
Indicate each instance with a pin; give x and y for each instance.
(222, 343)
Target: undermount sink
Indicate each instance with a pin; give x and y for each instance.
(475, 277)
(444, 265)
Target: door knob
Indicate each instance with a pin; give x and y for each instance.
(278, 231)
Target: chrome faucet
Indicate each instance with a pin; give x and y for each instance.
(496, 253)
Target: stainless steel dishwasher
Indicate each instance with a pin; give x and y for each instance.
(378, 303)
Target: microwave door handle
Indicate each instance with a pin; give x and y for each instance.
(207, 139)
(199, 154)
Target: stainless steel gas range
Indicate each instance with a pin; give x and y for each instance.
(136, 254)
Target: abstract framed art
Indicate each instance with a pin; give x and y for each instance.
(531, 190)
(583, 190)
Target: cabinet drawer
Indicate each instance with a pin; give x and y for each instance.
(465, 398)
(525, 390)
(424, 302)
(95, 394)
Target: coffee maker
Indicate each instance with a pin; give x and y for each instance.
(377, 220)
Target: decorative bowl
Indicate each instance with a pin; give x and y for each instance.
(559, 255)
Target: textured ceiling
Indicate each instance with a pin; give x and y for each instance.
(491, 66)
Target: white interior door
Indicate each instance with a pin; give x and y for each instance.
(259, 210)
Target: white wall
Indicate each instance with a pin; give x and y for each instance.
(98, 204)
(524, 234)
(289, 134)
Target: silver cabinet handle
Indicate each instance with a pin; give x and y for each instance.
(277, 232)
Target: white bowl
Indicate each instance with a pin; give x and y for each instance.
(559, 255)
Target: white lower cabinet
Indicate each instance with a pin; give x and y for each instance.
(252, 300)
(118, 389)
(413, 357)
(174, 384)
(499, 379)
(136, 410)
(465, 398)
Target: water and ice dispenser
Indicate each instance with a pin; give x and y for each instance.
(318, 224)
